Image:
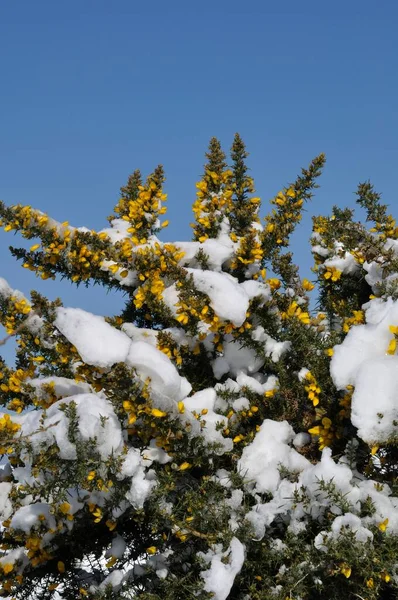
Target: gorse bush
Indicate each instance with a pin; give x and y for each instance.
(219, 438)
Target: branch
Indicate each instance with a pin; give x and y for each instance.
(19, 328)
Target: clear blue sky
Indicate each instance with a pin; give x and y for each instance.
(92, 89)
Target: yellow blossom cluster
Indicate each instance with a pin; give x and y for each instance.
(387, 229)
(154, 264)
(14, 312)
(24, 219)
(249, 250)
(11, 382)
(281, 222)
(358, 318)
(312, 388)
(8, 429)
(142, 213)
(210, 206)
(392, 346)
(324, 432)
(332, 274)
(295, 311)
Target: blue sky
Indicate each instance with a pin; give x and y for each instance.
(91, 90)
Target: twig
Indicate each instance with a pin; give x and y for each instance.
(28, 435)
(296, 584)
(19, 328)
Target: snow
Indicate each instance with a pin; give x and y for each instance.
(220, 577)
(261, 460)
(218, 251)
(117, 231)
(361, 361)
(63, 386)
(96, 420)
(346, 263)
(211, 431)
(165, 381)
(236, 358)
(5, 290)
(255, 289)
(27, 517)
(272, 348)
(228, 299)
(349, 522)
(5, 504)
(301, 439)
(102, 345)
(142, 481)
(117, 548)
(97, 342)
(171, 298)
(375, 400)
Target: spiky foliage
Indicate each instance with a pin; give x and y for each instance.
(170, 500)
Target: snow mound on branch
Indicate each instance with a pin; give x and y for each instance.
(236, 358)
(315, 491)
(165, 381)
(261, 460)
(228, 299)
(62, 385)
(102, 345)
(96, 421)
(224, 567)
(5, 504)
(97, 342)
(346, 263)
(217, 252)
(361, 361)
(142, 481)
(206, 399)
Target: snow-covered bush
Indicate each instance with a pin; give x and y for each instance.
(219, 438)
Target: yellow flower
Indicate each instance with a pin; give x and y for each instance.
(155, 412)
(97, 513)
(7, 568)
(332, 273)
(345, 570)
(274, 283)
(61, 566)
(64, 508)
(307, 285)
(370, 583)
(184, 466)
(383, 525)
(151, 550)
(111, 562)
(315, 430)
(392, 346)
(34, 247)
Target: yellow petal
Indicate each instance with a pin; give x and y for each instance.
(155, 412)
